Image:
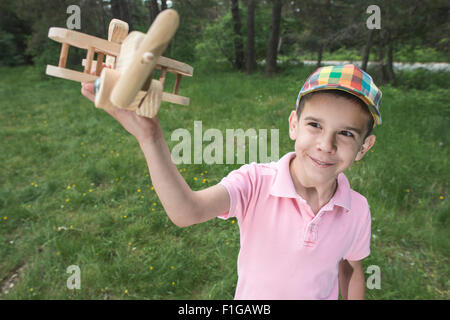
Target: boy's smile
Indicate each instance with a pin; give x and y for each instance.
(329, 136)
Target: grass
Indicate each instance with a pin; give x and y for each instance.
(75, 190)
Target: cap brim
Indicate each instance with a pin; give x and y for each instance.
(373, 111)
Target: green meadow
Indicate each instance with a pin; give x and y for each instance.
(75, 189)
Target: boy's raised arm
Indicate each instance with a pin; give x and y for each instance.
(183, 205)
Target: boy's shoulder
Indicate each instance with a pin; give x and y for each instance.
(255, 169)
(359, 203)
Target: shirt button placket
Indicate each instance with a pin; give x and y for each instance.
(311, 233)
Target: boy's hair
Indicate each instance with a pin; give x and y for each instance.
(340, 94)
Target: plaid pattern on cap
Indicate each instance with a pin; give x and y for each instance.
(347, 78)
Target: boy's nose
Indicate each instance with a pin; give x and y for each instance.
(327, 143)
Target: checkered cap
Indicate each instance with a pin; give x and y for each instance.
(347, 78)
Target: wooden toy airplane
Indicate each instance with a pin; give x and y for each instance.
(127, 82)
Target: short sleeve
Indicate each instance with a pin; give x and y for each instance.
(240, 185)
(360, 247)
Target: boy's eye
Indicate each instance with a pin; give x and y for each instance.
(314, 124)
(347, 133)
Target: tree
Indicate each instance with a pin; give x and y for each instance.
(366, 53)
(153, 10)
(238, 44)
(274, 36)
(120, 11)
(250, 53)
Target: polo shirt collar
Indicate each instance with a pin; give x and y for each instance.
(283, 186)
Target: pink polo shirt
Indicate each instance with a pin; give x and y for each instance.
(287, 252)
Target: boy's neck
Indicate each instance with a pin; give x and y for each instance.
(315, 195)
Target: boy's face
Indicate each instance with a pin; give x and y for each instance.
(329, 136)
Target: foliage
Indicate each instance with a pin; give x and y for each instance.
(217, 38)
(13, 35)
(206, 33)
(420, 79)
(10, 55)
(409, 53)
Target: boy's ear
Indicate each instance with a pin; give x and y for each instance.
(368, 143)
(293, 125)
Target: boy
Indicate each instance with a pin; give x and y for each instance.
(300, 223)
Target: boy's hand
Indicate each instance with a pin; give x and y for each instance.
(141, 128)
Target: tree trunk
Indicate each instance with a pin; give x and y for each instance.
(120, 11)
(163, 5)
(115, 9)
(102, 18)
(382, 65)
(250, 57)
(366, 53)
(238, 45)
(272, 49)
(390, 59)
(153, 10)
(319, 55)
(127, 15)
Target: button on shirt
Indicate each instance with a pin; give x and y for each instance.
(287, 252)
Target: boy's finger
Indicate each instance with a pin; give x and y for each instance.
(89, 86)
(88, 94)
